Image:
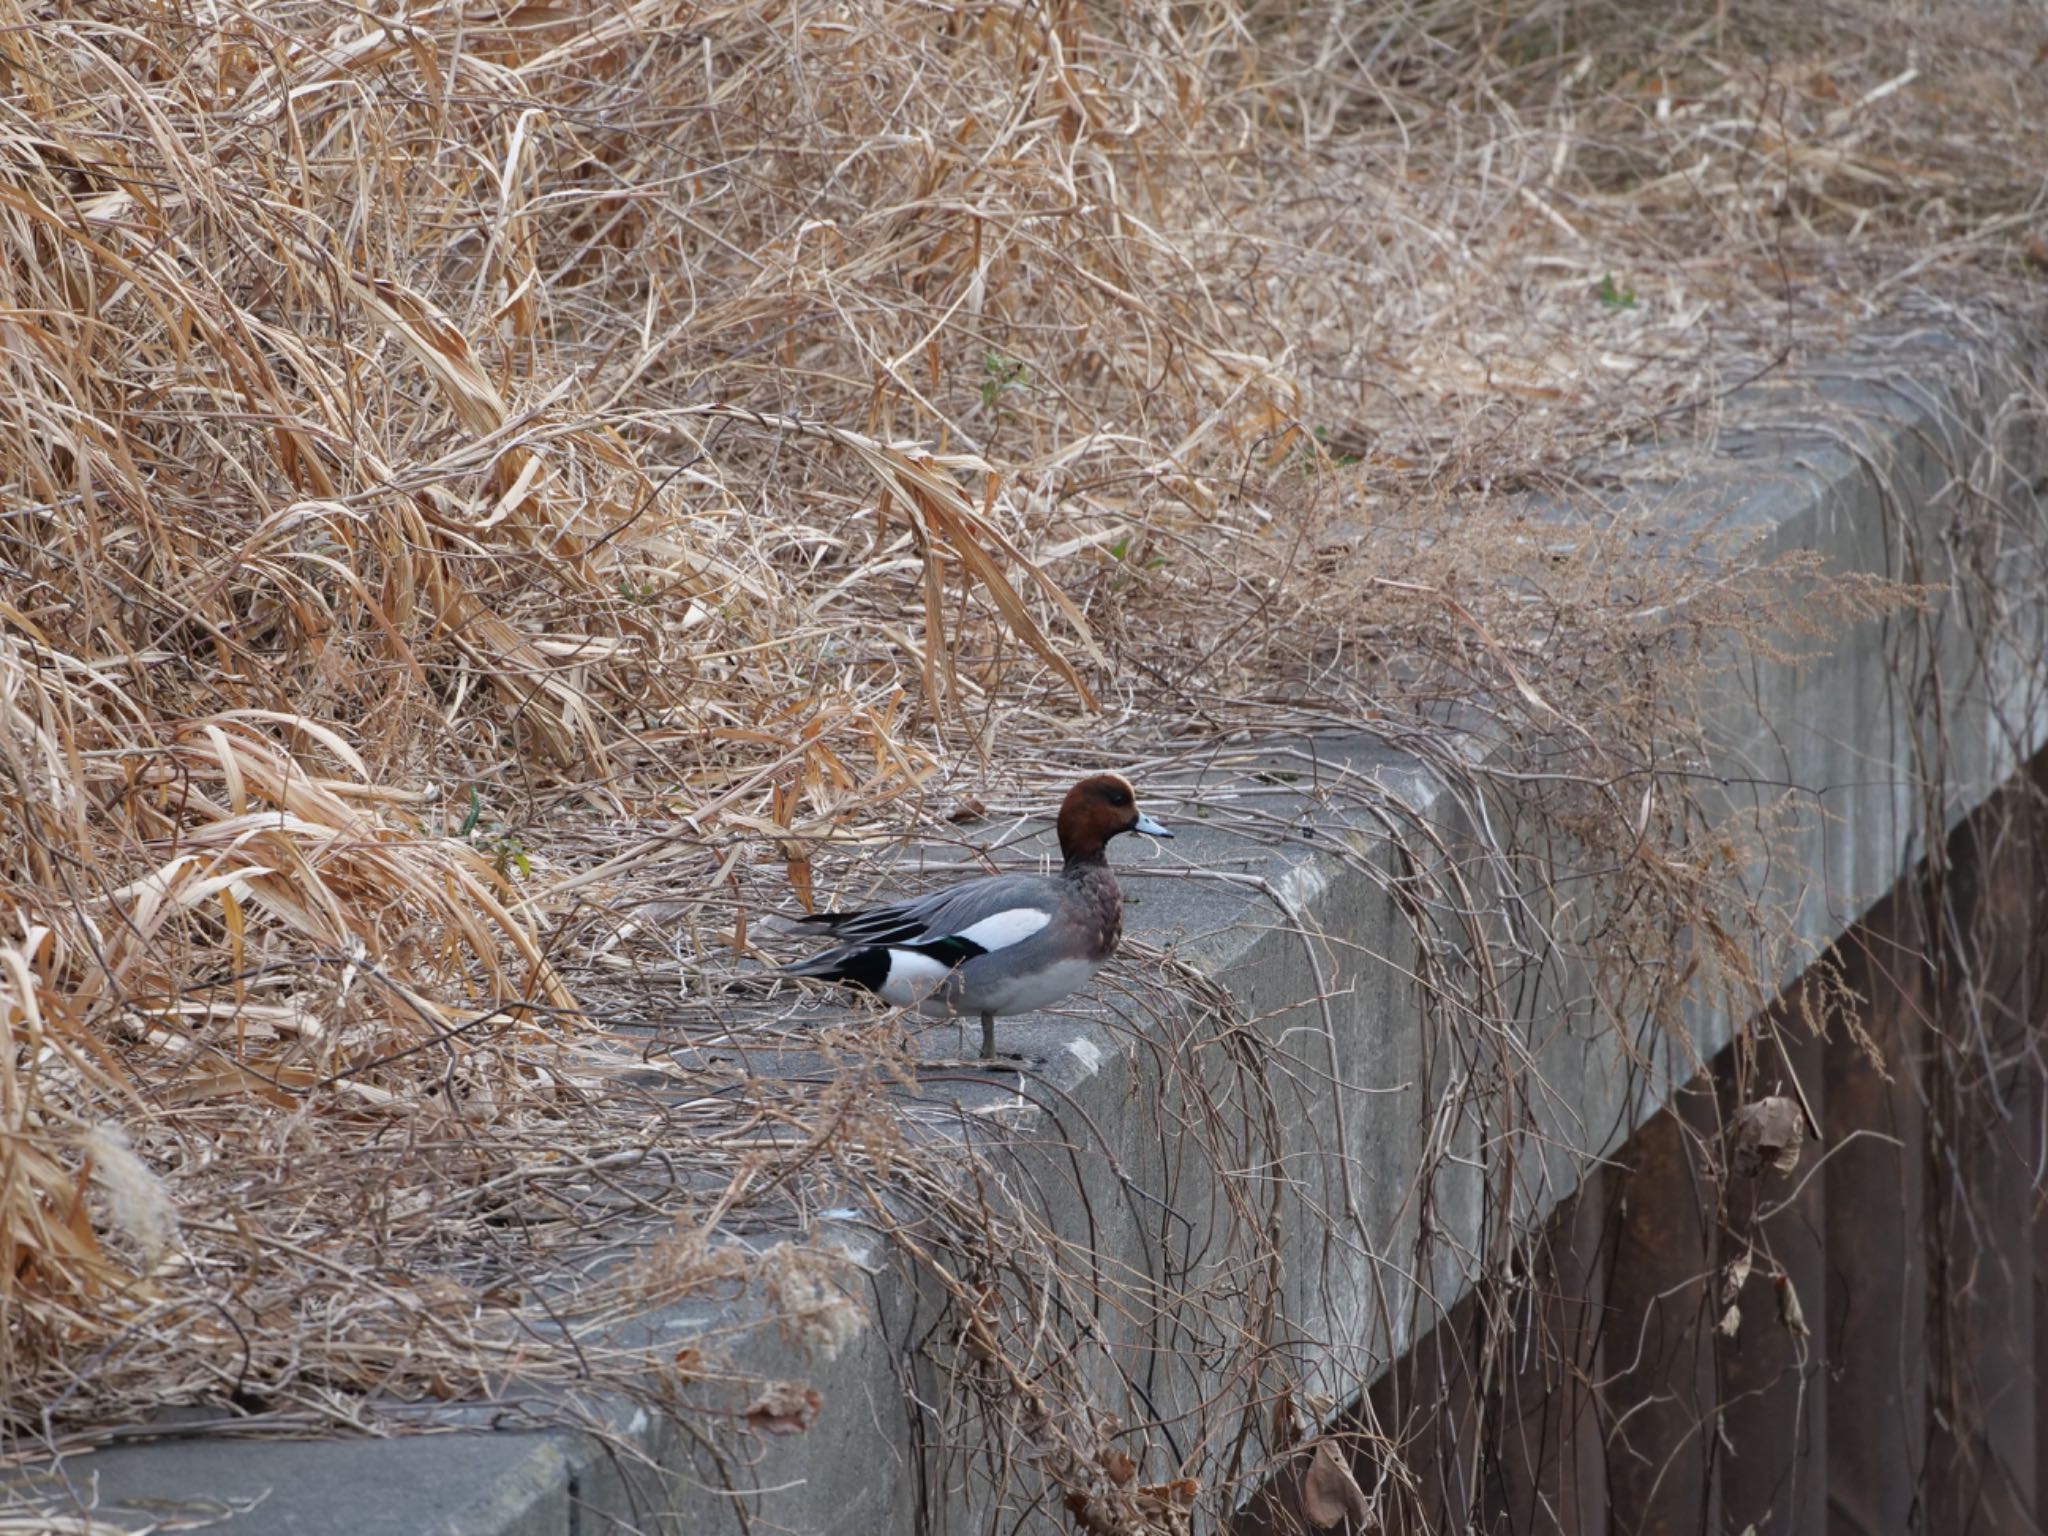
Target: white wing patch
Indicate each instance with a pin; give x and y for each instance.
(999, 930)
(912, 978)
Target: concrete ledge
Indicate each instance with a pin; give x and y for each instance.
(1335, 1092)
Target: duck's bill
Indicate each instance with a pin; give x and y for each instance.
(1150, 827)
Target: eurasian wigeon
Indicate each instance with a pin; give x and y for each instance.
(1002, 944)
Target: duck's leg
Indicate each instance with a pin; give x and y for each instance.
(988, 1037)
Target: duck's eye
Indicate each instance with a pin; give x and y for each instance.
(1117, 797)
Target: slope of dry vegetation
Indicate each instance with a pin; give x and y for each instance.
(439, 454)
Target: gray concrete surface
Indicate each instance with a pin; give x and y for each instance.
(1864, 462)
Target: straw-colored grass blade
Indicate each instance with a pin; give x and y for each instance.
(433, 341)
(923, 485)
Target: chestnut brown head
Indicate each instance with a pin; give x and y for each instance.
(1097, 809)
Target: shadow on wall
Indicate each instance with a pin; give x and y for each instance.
(1736, 1327)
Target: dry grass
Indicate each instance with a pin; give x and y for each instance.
(457, 480)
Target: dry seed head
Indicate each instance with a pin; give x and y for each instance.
(804, 1285)
(137, 1202)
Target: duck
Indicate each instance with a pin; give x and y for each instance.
(1002, 944)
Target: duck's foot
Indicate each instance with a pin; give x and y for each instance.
(990, 1059)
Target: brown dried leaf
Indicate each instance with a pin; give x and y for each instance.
(1766, 1133)
(1735, 1276)
(1329, 1493)
(786, 1408)
(1169, 1499)
(799, 869)
(1790, 1313)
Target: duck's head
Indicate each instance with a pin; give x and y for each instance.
(1097, 809)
